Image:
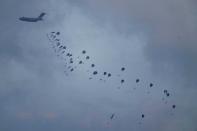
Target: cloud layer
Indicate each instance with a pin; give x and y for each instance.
(154, 40)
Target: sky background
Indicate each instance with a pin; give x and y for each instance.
(154, 40)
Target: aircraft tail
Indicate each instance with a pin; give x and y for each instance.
(40, 17)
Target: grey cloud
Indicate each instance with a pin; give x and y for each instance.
(35, 94)
(170, 27)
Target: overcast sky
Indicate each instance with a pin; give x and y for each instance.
(155, 40)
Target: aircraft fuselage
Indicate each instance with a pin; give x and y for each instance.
(29, 19)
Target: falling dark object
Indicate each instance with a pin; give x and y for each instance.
(95, 73)
(80, 62)
(166, 93)
(87, 57)
(122, 81)
(64, 47)
(109, 74)
(112, 116)
(137, 80)
(142, 115)
(104, 73)
(122, 69)
(92, 65)
(151, 85)
(71, 69)
(83, 52)
(173, 106)
(63, 52)
(68, 54)
(58, 44)
(58, 33)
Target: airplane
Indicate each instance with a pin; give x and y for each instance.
(28, 19)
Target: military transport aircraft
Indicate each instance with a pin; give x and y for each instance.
(28, 19)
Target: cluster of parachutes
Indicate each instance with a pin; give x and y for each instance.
(73, 62)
